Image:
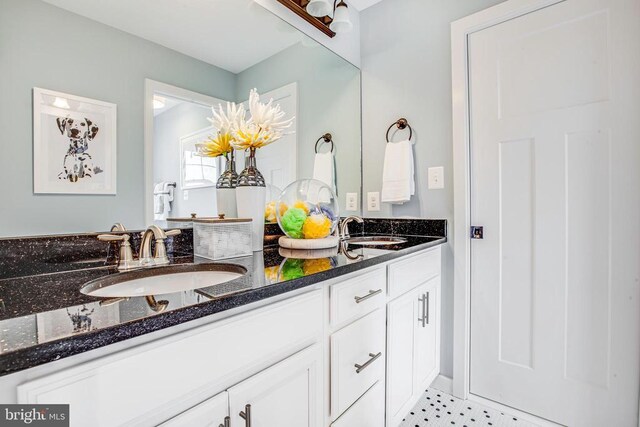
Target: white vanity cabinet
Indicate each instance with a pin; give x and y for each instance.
(413, 334)
(151, 383)
(340, 354)
(288, 394)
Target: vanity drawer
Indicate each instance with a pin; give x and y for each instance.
(358, 296)
(407, 274)
(363, 344)
(368, 411)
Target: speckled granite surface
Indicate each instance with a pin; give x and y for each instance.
(45, 317)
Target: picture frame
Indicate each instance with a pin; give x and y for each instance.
(196, 171)
(74, 144)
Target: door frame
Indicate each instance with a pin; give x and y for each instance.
(460, 32)
(151, 87)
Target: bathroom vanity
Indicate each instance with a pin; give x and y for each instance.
(353, 343)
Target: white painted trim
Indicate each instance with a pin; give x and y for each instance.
(443, 383)
(151, 87)
(460, 31)
(512, 411)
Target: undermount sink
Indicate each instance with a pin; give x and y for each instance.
(163, 280)
(375, 240)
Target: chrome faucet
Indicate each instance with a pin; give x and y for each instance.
(344, 226)
(160, 257)
(125, 258)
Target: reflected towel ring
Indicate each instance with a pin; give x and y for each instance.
(327, 139)
(401, 124)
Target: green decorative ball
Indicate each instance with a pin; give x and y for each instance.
(292, 269)
(292, 222)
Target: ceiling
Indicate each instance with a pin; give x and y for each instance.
(231, 34)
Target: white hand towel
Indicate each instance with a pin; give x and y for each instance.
(162, 198)
(323, 169)
(398, 183)
(158, 205)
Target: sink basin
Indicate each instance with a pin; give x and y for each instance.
(376, 240)
(163, 280)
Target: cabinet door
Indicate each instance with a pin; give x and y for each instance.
(427, 336)
(402, 316)
(210, 413)
(289, 394)
(368, 411)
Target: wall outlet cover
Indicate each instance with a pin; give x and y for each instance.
(185, 195)
(352, 202)
(436, 178)
(373, 201)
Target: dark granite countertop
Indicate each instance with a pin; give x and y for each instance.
(44, 317)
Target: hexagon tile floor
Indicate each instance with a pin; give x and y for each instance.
(438, 409)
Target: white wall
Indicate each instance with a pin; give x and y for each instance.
(103, 63)
(168, 127)
(406, 71)
(346, 45)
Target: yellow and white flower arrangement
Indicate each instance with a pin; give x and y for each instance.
(265, 126)
(224, 122)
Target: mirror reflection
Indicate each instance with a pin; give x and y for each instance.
(106, 130)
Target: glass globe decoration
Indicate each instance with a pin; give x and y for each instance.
(272, 195)
(308, 210)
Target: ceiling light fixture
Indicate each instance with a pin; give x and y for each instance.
(341, 22)
(319, 8)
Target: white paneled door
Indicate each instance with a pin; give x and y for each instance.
(555, 155)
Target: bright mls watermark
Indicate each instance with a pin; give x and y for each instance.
(34, 415)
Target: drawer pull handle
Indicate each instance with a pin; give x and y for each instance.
(227, 422)
(371, 293)
(246, 415)
(424, 302)
(360, 368)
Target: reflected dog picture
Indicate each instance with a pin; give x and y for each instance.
(74, 144)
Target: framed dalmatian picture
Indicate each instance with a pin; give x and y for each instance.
(74, 144)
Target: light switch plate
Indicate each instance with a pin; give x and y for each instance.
(373, 201)
(185, 195)
(352, 202)
(436, 178)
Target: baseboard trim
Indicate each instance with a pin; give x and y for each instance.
(521, 415)
(443, 383)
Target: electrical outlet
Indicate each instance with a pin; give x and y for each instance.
(185, 195)
(436, 178)
(352, 202)
(373, 201)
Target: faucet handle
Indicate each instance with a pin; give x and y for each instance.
(114, 238)
(160, 257)
(125, 256)
(174, 232)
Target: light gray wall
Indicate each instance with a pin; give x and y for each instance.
(328, 101)
(47, 47)
(406, 71)
(168, 127)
